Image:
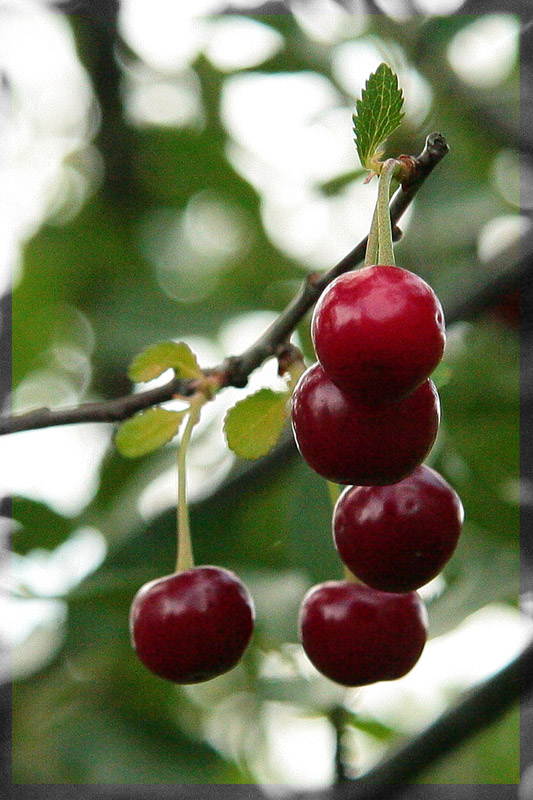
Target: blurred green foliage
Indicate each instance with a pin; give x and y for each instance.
(92, 714)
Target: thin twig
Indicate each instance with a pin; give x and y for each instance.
(236, 370)
(98, 411)
(337, 718)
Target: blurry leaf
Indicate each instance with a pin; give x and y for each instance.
(441, 375)
(480, 572)
(378, 113)
(475, 384)
(309, 523)
(373, 727)
(482, 428)
(162, 356)
(128, 751)
(335, 185)
(247, 524)
(39, 526)
(254, 425)
(116, 722)
(147, 431)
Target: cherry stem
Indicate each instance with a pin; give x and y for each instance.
(349, 577)
(371, 253)
(296, 370)
(185, 558)
(391, 168)
(334, 492)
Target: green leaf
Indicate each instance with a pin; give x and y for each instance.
(36, 525)
(379, 112)
(147, 431)
(254, 425)
(372, 727)
(157, 358)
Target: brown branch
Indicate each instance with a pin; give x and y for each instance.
(235, 371)
(98, 411)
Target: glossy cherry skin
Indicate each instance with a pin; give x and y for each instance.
(193, 625)
(397, 538)
(357, 635)
(350, 442)
(378, 332)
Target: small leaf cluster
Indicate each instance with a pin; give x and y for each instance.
(252, 426)
(149, 430)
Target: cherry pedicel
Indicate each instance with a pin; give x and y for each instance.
(378, 332)
(357, 635)
(193, 625)
(397, 538)
(350, 442)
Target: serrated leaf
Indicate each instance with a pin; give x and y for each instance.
(147, 431)
(378, 114)
(254, 425)
(157, 358)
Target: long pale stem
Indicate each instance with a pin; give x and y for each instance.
(371, 253)
(185, 558)
(385, 245)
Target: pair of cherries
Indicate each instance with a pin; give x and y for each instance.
(367, 415)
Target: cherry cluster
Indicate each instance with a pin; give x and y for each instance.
(366, 415)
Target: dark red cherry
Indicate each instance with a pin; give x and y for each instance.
(378, 332)
(356, 635)
(397, 538)
(350, 442)
(193, 625)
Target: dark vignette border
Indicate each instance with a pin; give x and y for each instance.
(104, 12)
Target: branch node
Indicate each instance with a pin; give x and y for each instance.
(232, 373)
(437, 145)
(314, 278)
(287, 354)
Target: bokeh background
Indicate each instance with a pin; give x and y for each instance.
(174, 172)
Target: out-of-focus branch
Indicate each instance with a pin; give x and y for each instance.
(482, 706)
(235, 371)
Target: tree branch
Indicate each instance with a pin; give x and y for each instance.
(482, 706)
(98, 411)
(235, 371)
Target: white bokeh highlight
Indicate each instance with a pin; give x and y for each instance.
(483, 53)
(59, 466)
(237, 42)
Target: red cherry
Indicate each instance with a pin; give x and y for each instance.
(356, 635)
(347, 441)
(378, 332)
(397, 538)
(193, 625)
